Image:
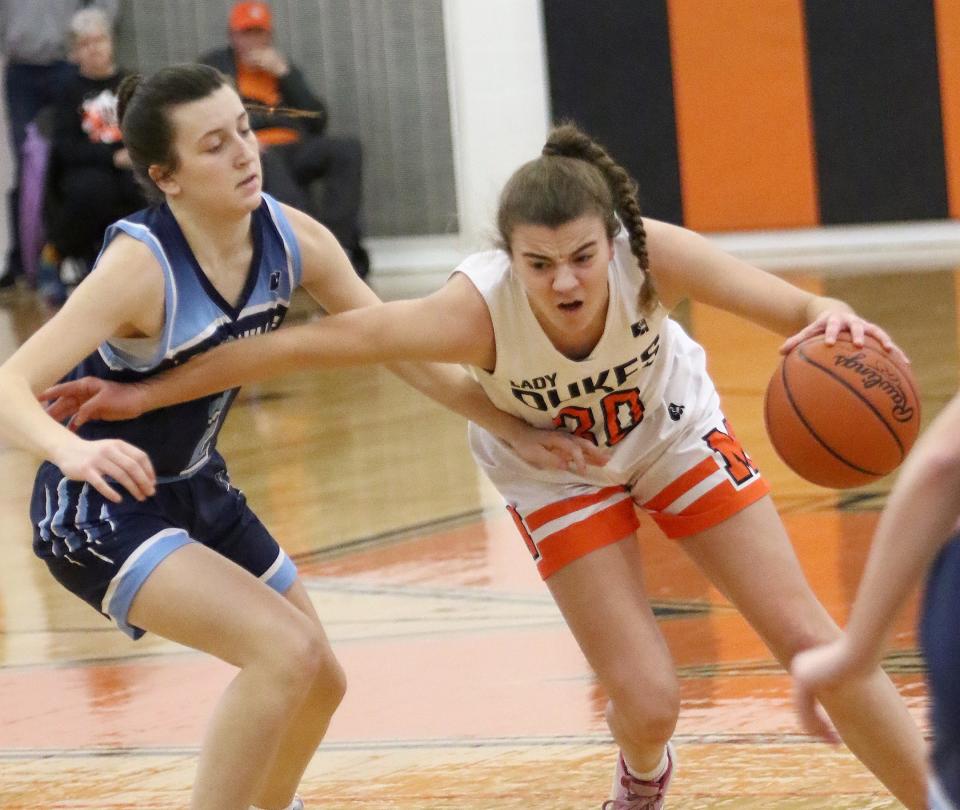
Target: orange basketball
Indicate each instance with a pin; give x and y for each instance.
(842, 416)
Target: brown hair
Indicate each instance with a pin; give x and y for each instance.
(143, 108)
(574, 176)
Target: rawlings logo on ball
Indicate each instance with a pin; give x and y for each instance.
(879, 375)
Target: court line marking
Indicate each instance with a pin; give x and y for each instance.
(552, 741)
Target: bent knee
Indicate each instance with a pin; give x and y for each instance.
(301, 654)
(331, 681)
(647, 710)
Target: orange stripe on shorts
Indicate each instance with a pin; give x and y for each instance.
(579, 539)
(679, 486)
(544, 515)
(717, 505)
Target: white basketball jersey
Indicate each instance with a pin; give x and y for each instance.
(618, 392)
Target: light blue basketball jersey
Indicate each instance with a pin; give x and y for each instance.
(180, 438)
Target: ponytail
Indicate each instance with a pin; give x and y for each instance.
(575, 176)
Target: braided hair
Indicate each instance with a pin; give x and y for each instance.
(575, 176)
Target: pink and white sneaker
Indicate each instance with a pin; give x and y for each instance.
(635, 794)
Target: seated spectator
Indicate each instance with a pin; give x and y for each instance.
(295, 148)
(33, 44)
(90, 182)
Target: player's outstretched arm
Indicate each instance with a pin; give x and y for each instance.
(417, 338)
(919, 518)
(686, 265)
(376, 334)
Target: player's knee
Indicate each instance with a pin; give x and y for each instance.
(299, 655)
(331, 681)
(645, 709)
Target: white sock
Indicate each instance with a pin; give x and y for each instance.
(650, 776)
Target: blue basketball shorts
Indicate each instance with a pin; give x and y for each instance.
(940, 641)
(103, 552)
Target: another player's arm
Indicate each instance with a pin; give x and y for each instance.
(920, 517)
(451, 326)
(121, 297)
(418, 340)
(685, 264)
(360, 330)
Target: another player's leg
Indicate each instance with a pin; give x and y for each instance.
(200, 599)
(303, 735)
(745, 554)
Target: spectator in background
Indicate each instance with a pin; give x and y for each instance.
(295, 149)
(90, 178)
(33, 34)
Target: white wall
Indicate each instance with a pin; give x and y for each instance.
(499, 116)
(496, 68)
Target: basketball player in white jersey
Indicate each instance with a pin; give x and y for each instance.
(566, 325)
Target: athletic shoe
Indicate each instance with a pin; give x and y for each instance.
(630, 793)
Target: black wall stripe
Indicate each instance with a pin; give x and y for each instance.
(609, 69)
(876, 108)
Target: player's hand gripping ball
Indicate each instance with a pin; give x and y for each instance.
(842, 416)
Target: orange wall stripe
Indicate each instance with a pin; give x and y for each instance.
(948, 57)
(744, 126)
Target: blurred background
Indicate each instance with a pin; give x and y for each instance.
(735, 117)
(815, 138)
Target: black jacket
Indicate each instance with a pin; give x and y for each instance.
(294, 93)
(85, 130)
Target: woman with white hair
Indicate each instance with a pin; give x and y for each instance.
(90, 180)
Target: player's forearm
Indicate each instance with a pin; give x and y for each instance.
(348, 339)
(227, 366)
(457, 391)
(920, 517)
(24, 423)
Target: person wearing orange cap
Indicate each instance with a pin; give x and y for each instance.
(295, 150)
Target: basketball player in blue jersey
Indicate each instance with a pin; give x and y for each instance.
(566, 325)
(139, 518)
(918, 534)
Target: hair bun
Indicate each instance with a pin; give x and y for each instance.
(125, 92)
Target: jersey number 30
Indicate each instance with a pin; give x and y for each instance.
(622, 412)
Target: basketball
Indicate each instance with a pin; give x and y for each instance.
(842, 416)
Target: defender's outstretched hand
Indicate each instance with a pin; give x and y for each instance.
(823, 667)
(90, 398)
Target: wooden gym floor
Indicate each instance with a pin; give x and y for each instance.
(465, 689)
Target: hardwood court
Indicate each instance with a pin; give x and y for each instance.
(465, 689)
